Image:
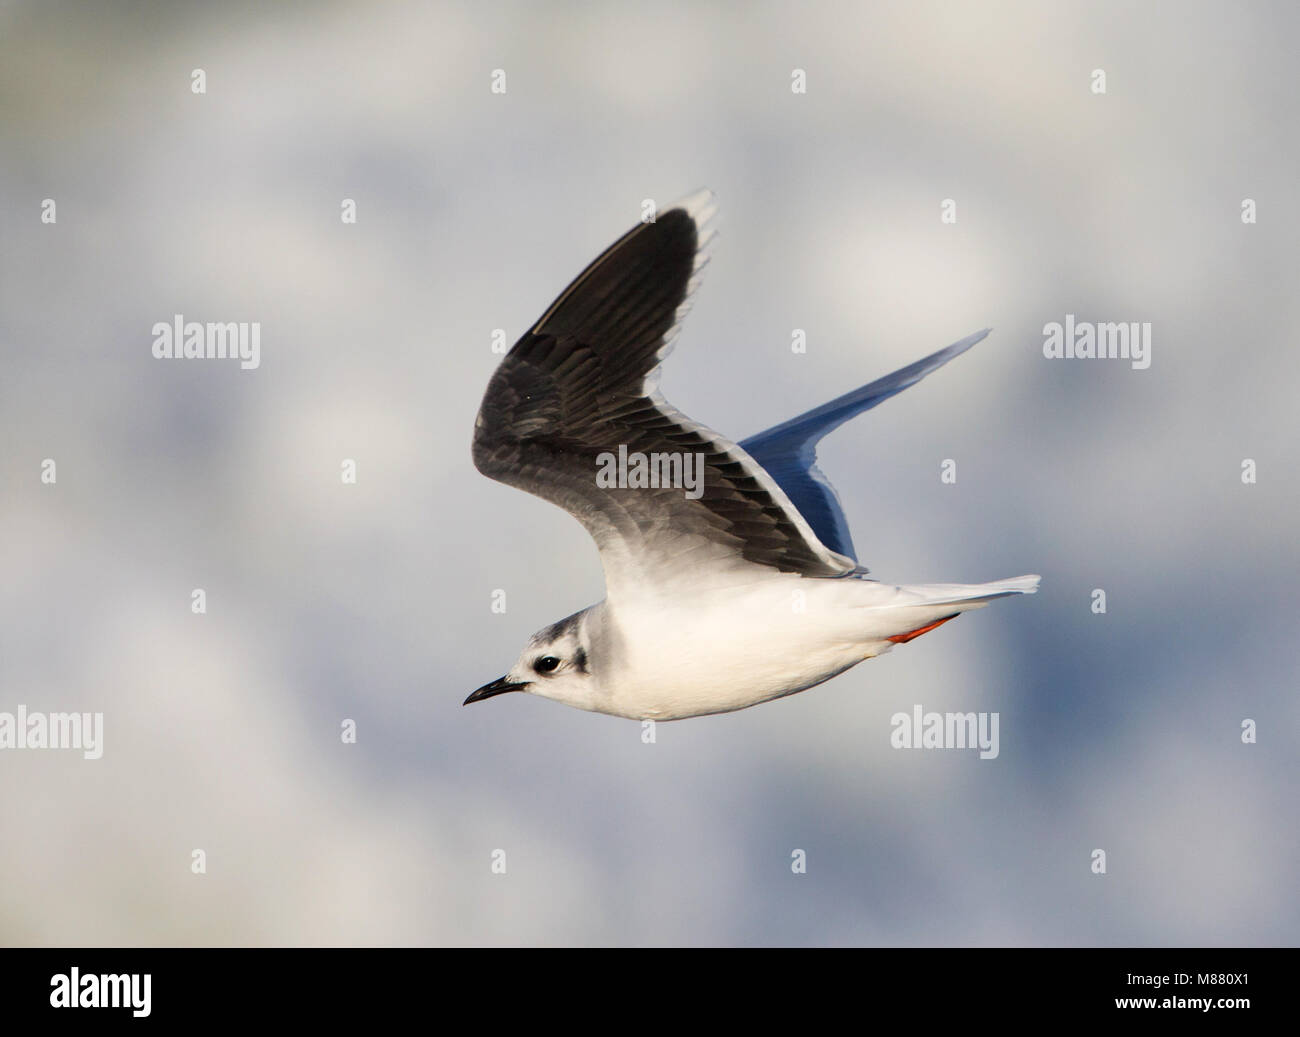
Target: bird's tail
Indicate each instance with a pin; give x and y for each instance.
(973, 595)
(918, 610)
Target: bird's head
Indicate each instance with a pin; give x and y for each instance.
(555, 664)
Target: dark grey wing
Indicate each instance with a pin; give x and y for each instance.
(788, 452)
(581, 384)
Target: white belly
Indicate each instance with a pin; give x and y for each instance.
(728, 651)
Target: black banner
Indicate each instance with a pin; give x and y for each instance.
(153, 987)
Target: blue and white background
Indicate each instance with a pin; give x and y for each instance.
(371, 602)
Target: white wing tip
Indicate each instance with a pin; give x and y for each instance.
(701, 205)
(970, 340)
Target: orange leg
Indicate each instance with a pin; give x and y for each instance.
(902, 639)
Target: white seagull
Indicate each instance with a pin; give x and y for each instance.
(740, 589)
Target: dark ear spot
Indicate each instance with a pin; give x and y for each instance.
(580, 660)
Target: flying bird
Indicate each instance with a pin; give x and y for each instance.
(736, 589)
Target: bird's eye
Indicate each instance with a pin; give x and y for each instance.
(546, 664)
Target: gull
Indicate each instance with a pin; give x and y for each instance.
(744, 590)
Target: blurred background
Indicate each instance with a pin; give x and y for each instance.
(372, 602)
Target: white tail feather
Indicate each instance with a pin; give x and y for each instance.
(972, 593)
